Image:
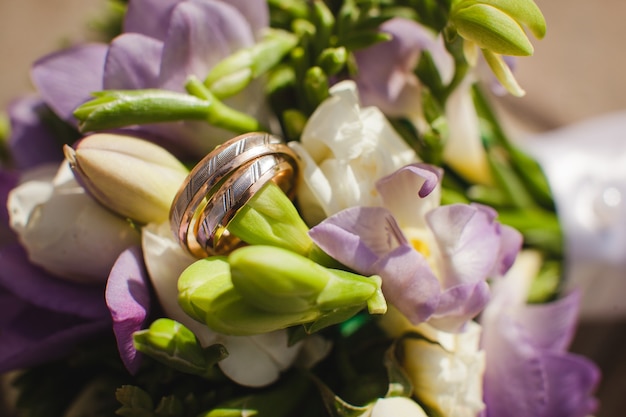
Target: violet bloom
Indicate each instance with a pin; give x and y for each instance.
(528, 368)
(386, 78)
(434, 260)
(164, 42)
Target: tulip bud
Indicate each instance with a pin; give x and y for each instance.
(132, 177)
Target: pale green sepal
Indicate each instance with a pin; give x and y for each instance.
(118, 108)
(235, 72)
(171, 343)
(490, 28)
(503, 73)
(525, 12)
(270, 218)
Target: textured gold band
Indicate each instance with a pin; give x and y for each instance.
(222, 183)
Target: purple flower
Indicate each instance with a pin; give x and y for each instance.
(43, 317)
(433, 260)
(527, 366)
(386, 77)
(163, 43)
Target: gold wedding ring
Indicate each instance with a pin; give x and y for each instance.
(222, 183)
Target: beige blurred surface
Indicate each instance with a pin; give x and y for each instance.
(32, 28)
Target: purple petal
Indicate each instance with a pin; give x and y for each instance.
(515, 378)
(31, 142)
(572, 380)
(128, 299)
(460, 304)
(132, 62)
(406, 193)
(378, 80)
(358, 236)
(200, 35)
(34, 285)
(527, 366)
(469, 242)
(556, 333)
(510, 244)
(256, 13)
(8, 181)
(408, 283)
(37, 336)
(66, 79)
(149, 17)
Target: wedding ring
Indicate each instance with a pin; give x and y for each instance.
(222, 183)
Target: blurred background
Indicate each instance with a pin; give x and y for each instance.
(575, 104)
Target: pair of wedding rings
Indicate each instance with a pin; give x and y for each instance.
(222, 183)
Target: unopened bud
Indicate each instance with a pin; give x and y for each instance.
(132, 177)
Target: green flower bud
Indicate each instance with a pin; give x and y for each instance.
(503, 73)
(281, 281)
(491, 28)
(118, 108)
(259, 289)
(234, 73)
(132, 177)
(206, 293)
(333, 60)
(315, 86)
(173, 344)
(525, 12)
(270, 218)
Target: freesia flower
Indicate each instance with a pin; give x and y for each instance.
(445, 369)
(253, 360)
(63, 229)
(528, 368)
(434, 261)
(164, 42)
(386, 76)
(345, 149)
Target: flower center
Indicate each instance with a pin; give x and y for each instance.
(421, 246)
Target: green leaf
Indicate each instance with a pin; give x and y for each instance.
(490, 28)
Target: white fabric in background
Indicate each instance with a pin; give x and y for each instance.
(586, 166)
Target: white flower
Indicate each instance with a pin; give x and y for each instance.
(447, 376)
(253, 361)
(63, 229)
(464, 150)
(345, 149)
(395, 407)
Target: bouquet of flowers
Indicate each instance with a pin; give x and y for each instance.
(284, 208)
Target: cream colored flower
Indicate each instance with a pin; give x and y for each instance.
(63, 229)
(345, 149)
(447, 370)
